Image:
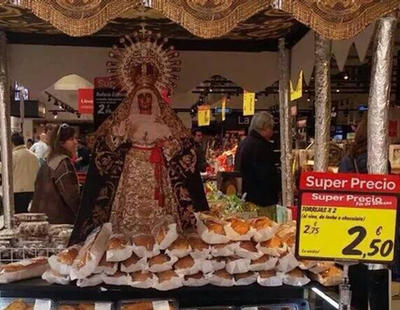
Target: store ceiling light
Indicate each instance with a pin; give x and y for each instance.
(338, 90)
(346, 77)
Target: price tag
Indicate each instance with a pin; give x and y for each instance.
(203, 115)
(347, 226)
(161, 305)
(249, 102)
(102, 306)
(42, 304)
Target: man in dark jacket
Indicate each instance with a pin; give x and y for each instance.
(256, 162)
(201, 156)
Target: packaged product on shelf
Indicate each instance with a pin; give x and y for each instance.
(179, 248)
(118, 278)
(200, 249)
(321, 267)
(145, 246)
(22, 270)
(142, 279)
(62, 262)
(91, 253)
(168, 280)
(238, 229)
(274, 247)
(33, 229)
(93, 280)
(287, 263)
(134, 263)
(118, 248)
(296, 277)
(236, 264)
(211, 229)
(28, 217)
(53, 277)
(106, 267)
(165, 235)
(196, 280)
(246, 278)
(264, 263)
(162, 262)
(331, 277)
(222, 278)
(83, 305)
(149, 304)
(264, 228)
(247, 249)
(224, 250)
(187, 266)
(270, 278)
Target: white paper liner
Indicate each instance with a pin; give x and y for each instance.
(173, 283)
(306, 265)
(140, 265)
(247, 281)
(141, 251)
(204, 254)
(53, 278)
(96, 252)
(287, 263)
(218, 281)
(196, 282)
(170, 237)
(119, 255)
(106, 269)
(121, 280)
(295, 281)
(228, 250)
(265, 233)
(271, 251)
(209, 236)
(149, 283)
(239, 251)
(321, 267)
(189, 271)
(180, 253)
(240, 265)
(59, 267)
(93, 280)
(233, 235)
(164, 267)
(271, 281)
(268, 265)
(26, 273)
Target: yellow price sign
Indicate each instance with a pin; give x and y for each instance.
(340, 226)
(203, 115)
(223, 108)
(297, 93)
(249, 102)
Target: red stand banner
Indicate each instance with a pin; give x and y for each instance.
(85, 101)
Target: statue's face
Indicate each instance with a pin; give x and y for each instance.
(145, 101)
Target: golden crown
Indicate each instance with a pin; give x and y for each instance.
(144, 60)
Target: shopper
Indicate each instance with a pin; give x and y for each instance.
(25, 168)
(41, 148)
(29, 143)
(83, 160)
(56, 186)
(201, 156)
(256, 162)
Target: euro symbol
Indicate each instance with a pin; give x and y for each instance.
(379, 230)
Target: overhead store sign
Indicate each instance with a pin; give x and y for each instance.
(203, 115)
(249, 102)
(297, 93)
(85, 101)
(347, 217)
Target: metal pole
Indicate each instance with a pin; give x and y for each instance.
(5, 133)
(378, 113)
(323, 51)
(285, 125)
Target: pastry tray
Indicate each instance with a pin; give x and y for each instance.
(98, 305)
(37, 304)
(161, 303)
(301, 305)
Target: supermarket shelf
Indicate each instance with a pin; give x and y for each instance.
(187, 296)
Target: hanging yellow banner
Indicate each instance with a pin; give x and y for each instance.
(249, 102)
(223, 108)
(203, 115)
(297, 93)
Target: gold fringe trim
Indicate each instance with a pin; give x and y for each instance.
(207, 26)
(74, 22)
(338, 30)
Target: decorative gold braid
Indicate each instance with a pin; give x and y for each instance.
(334, 25)
(209, 22)
(79, 17)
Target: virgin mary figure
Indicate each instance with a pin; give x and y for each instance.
(143, 166)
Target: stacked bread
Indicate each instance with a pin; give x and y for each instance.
(222, 252)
